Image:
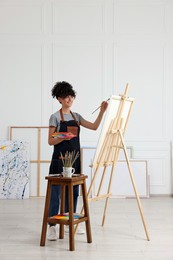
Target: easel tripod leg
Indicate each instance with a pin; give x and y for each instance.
(104, 213)
(134, 187)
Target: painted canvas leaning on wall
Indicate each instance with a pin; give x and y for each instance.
(14, 169)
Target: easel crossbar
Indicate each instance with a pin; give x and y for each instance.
(100, 197)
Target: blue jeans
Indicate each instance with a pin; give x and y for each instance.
(56, 197)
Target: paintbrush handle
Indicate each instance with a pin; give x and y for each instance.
(99, 106)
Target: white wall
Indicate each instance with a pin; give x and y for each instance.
(98, 46)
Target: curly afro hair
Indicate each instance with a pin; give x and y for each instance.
(62, 90)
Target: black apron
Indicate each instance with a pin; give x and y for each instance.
(69, 145)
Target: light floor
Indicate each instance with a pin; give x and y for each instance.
(121, 238)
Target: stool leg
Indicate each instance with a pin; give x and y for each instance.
(86, 212)
(46, 213)
(61, 226)
(71, 217)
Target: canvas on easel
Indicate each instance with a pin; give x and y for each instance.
(110, 142)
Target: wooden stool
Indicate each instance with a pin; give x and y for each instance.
(71, 221)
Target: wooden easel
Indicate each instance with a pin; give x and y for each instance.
(108, 156)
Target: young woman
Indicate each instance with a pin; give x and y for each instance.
(65, 120)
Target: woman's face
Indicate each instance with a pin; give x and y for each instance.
(67, 101)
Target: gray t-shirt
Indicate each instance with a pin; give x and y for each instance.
(56, 118)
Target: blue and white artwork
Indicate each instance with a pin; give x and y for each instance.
(14, 169)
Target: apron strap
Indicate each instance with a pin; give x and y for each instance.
(62, 117)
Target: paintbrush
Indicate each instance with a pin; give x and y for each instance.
(100, 106)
